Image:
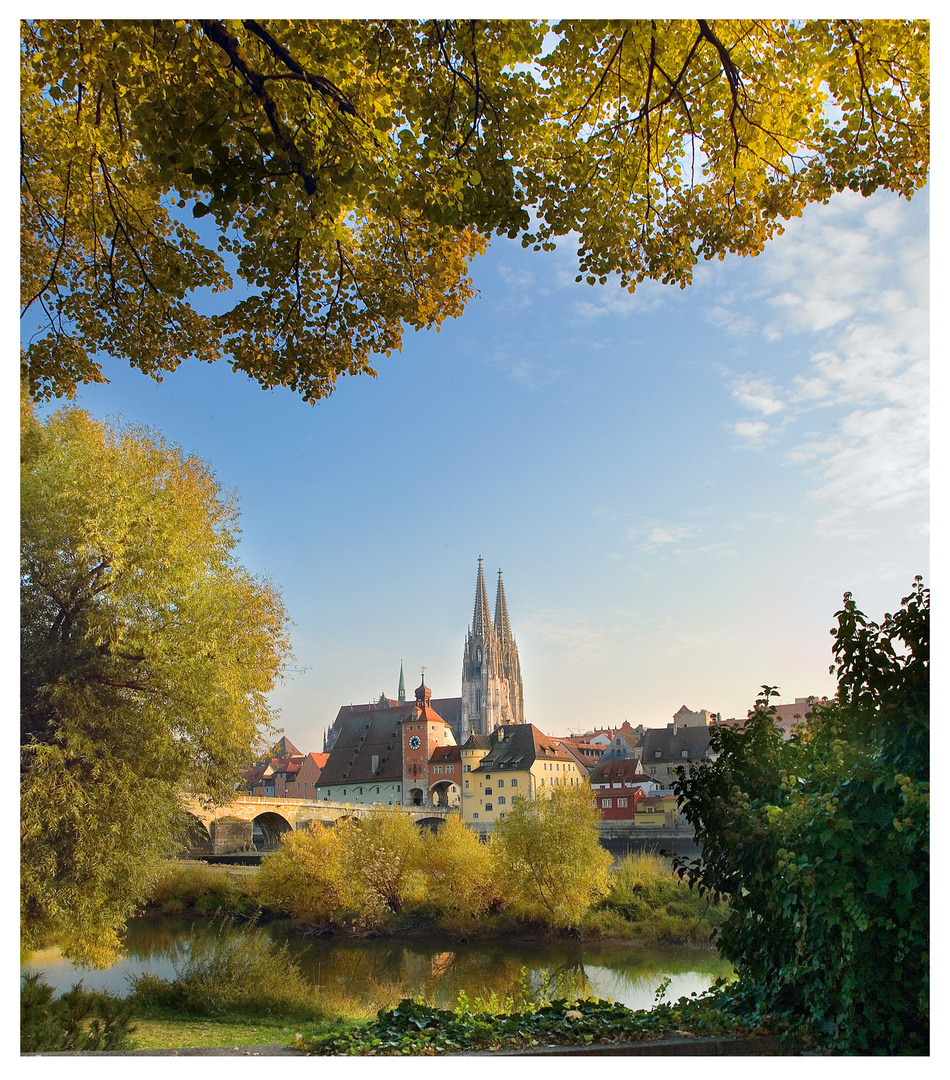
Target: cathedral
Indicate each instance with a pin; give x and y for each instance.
(492, 693)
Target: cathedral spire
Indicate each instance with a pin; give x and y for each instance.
(402, 683)
(481, 620)
(502, 626)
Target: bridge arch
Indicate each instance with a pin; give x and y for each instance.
(444, 794)
(197, 840)
(267, 829)
(433, 824)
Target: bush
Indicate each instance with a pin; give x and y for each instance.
(549, 856)
(180, 886)
(304, 877)
(236, 970)
(460, 872)
(381, 859)
(77, 1020)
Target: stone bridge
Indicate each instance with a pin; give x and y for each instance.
(255, 823)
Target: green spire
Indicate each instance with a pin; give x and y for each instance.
(402, 683)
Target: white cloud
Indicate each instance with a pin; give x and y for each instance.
(670, 534)
(612, 299)
(510, 276)
(751, 429)
(757, 395)
(850, 284)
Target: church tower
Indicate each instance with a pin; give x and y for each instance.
(491, 672)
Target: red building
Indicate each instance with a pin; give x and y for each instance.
(618, 786)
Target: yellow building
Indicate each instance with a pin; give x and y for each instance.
(657, 812)
(514, 761)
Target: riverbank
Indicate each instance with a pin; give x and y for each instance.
(678, 1046)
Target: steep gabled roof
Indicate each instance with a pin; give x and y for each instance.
(661, 744)
(626, 770)
(519, 746)
(363, 736)
(284, 748)
(477, 742)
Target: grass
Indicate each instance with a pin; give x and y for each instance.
(175, 1034)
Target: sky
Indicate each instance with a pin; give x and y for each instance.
(678, 485)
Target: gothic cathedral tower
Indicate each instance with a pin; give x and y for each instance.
(491, 672)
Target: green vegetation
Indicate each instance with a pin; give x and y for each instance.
(146, 656)
(456, 895)
(541, 871)
(77, 1020)
(655, 905)
(415, 1028)
(550, 862)
(350, 171)
(821, 845)
(237, 971)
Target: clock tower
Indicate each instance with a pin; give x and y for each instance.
(423, 730)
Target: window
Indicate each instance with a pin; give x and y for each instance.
(488, 791)
(438, 770)
(501, 800)
(606, 803)
(488, 776)
(653, 770)
(685, 753)
(468, 768)
(488, 806)
(466, 784)
(514, 783)
(474, 815)
(501, 783)
(621, 802)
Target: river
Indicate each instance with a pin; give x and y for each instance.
(380, 971)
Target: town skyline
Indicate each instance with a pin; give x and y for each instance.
(678, 486)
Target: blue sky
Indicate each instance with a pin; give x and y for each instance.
(679, 485)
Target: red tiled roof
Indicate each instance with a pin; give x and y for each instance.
(446, 753)
(628, 770)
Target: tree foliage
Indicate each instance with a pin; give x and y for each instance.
(821, 843)
(146, 651)
(549, 856)
(305, 876)
(346, 173)
(381, 855)
(460, 873)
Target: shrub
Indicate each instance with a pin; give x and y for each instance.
(236, 970)
(77, 1020)
(304, 877)
(460, 872)
(180, 886)
(549, 856)
(381, 858)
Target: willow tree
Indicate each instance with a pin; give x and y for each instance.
(146, 651)
(342, 175)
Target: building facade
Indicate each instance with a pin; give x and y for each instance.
(516, 761)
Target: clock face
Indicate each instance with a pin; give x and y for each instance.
(414, 742)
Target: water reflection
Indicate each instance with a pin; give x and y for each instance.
(377, 973)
